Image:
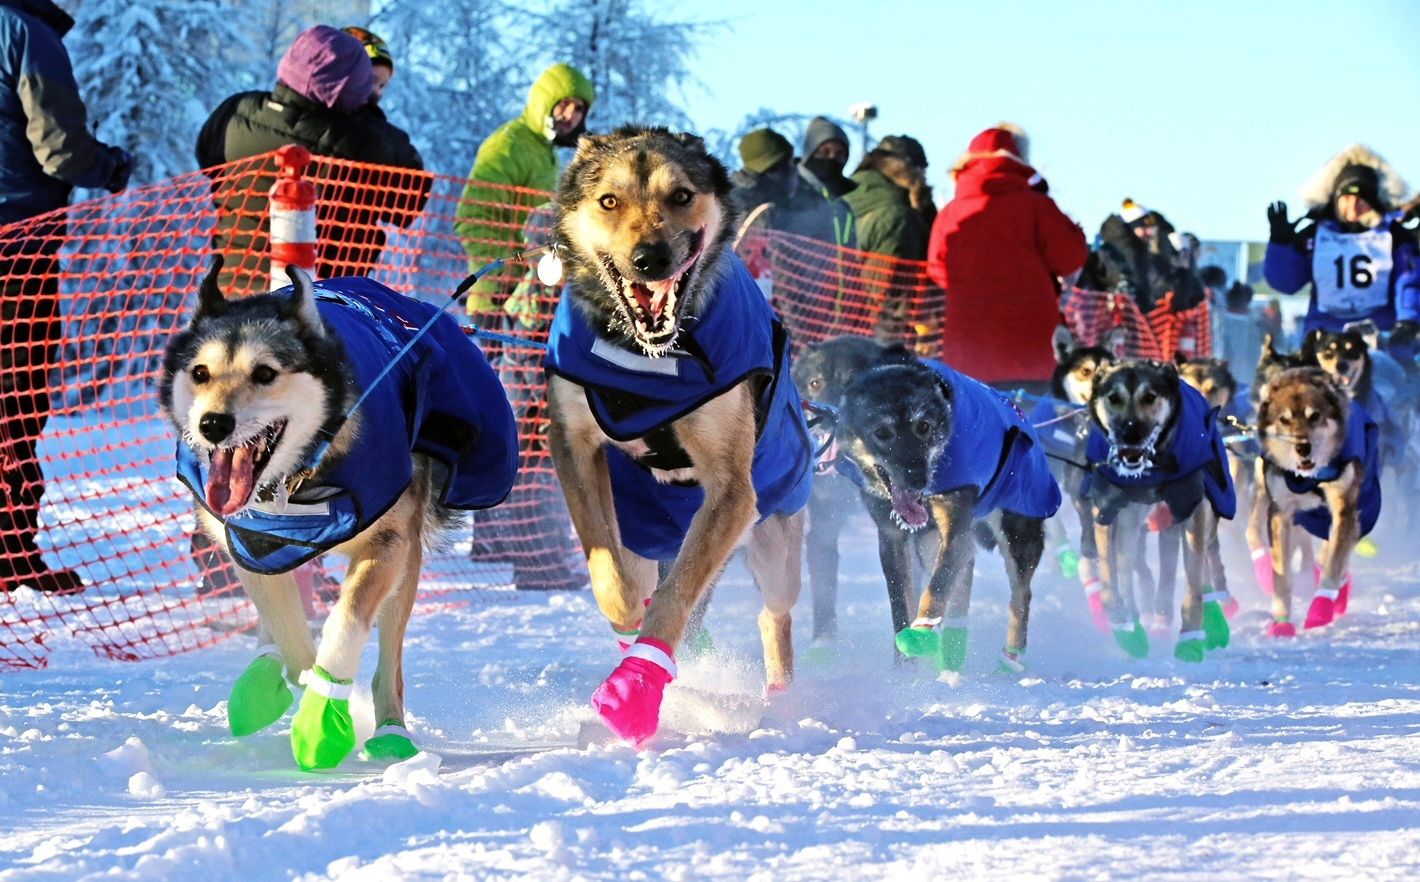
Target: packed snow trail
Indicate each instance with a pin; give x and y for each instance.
(1271, 760)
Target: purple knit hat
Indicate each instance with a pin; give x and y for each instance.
(329, 67)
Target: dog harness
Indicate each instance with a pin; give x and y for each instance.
(442, 400)
(993, 450)
(633, 396)
(1197, 446)
(1361, 447)
(1063, 440)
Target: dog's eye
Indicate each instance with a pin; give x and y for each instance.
(922, 428)
(882, 433)
(1148, 398)
(200, 374)
(608, 202)
(263, 375)
(682, 196)
(815, 384)
(1313, 418)
(1115, 399)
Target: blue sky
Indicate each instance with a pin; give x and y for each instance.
(1204, 110)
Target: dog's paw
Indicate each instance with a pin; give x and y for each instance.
(1191, 650)
(391, 741)
(1013, 662)
(1094, 598)
(1133, 639)
(952, 653)
(322, 733)
(918, 642)
(1322, 612)
(260, 696)
(1282, 629)
(629, 701)
(1215, 622)
(1262, 568)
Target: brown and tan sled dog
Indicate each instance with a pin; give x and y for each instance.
(674, 424)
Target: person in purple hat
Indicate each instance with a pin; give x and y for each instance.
(323, 83)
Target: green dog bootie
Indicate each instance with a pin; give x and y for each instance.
(260, 696)
(1133, 640)
(1191, 646)
(323, 734)
(391, 741)
(1013, 661)
(1069, 560)
(1215, 621)
(953, 650)
(822, 653)
(918, 640)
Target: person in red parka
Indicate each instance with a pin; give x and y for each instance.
(998, 249)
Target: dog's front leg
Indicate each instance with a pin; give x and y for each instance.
(775, 550)
(718, 441)
(827, 513)
(1022, 544)
(1116, 588)
(895, 555)
(1280, 560)
(1259, 539)
(1203, 625)
(947, 598)
(1333, 588)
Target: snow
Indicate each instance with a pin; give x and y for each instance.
(1296, 760)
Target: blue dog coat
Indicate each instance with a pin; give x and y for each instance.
(632, 396)
(1362, 445)
(1197, 444)
(993, 449)
(441, 400)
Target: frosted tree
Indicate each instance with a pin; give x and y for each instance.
(638, 60)
(151, 71)
(456, 77)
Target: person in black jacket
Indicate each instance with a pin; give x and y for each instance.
(46, 149)
(321, 102)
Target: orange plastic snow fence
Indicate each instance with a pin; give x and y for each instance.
(92, 294)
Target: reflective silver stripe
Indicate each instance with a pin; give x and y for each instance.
(1215, 597)
(641, 364)
(654, 655)
(925, 622)
(1185, 636)
(392, 729)
(321, 686)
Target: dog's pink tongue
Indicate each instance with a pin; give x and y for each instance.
(652, 300)
(230, 480)
(909, 507)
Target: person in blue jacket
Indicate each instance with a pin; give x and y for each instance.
(46, 150)
(1354, 247)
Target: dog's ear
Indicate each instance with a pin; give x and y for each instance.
(897, 353)
(210, 301)
(589, 145)
(1114, 341)
(690, 142)
(1180, 359)
(1269, 346)
(301, 305)
(1310, 343)
(1062, 341)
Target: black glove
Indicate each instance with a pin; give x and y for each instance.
(122, 169)
(1283, 230)
(1403, 334)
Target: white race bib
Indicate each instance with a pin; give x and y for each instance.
(1351, 271)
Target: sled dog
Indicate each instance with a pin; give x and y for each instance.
(930, 447)
(1157, 441)
(674, 424)
(1318, 471)
(259, 389)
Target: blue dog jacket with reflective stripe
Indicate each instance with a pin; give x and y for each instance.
(1197, 444)
(631, 396)
(441, 400)
(1362, 445)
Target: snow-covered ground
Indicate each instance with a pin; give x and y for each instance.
(1296, 760)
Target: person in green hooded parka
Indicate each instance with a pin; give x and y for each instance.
(519, 153)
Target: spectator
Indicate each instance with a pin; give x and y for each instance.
(998, 249)
(1239, 332)
(821, 178)
(324, 83)
(1353, 248)
(771, 194)
(492, 222)
(892, 203)
(519, 153)
(46, 149)
(1133, 255)
(1184, 279)
(380, 59)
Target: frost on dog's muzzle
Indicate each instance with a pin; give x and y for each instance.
(649, 312)
(1133, 460)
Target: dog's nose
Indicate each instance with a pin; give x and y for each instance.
(652, 258)
(1304, 448)
(215, 427)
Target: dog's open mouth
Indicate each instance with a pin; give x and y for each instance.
(907, 507)
(1306, 466)
(1134, 459)
(650, 311)
(236, 470)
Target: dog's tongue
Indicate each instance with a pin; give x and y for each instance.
(909, 507)
(230, 480)
(651, 299)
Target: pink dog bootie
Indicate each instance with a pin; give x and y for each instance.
(629, 701)
(1281, 628)
(1343, 593)
(1262, 567)
(1090, 579)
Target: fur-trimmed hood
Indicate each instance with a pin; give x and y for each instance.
(1317, 192)
(1006, 140)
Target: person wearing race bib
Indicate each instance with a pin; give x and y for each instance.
(1354, 246)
